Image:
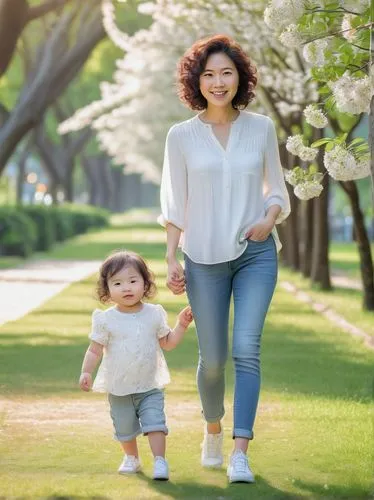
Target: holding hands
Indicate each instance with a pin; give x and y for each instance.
(185, 317)
(175, 278)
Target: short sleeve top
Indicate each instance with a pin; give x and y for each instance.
(132, 361)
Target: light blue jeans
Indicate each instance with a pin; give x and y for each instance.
(251, 279)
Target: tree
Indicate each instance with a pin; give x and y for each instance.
(59, 59)
(336, 39)
(14, 17)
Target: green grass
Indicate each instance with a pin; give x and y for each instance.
(313, 431)
(344, 258)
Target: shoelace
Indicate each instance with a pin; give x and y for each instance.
(240, 463)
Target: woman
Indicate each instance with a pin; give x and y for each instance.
(223, 191)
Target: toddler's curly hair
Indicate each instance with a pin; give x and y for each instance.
(117, 261)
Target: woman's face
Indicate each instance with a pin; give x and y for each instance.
(220, 80)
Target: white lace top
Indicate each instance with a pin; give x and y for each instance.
(133, 360)
(215, 194)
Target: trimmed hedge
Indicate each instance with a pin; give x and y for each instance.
(18, 233)
(24, 229)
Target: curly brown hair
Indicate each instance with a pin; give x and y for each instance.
(117, 261)
(193, 63)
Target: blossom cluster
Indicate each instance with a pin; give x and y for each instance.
(352, 95)
(315, 117)
(342, 165)
(296, 146)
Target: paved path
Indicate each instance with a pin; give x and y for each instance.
(26, 287)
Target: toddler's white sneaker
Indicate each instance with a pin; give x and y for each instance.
(129, 465)
(160, 469)
(211, 450)
(238, 470)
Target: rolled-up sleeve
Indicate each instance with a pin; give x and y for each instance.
(173, 193)
(275, 190)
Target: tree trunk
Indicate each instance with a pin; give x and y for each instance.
(119, 182)
(290, 253)
(363, 243)
(306, 238)
(320, 271)
(13, 18)
(68, 180)
(371, 137)
(21, 174)
(57, 65)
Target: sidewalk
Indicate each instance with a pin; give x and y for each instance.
(26, 287)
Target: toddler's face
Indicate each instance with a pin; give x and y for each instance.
(126, 287)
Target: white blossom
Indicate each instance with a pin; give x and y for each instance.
(291, 37)
(342, 165)
(347, 31)
(308, 189)
(291, 177)
(115, 34)
(308, 154)
(314, 52)
(357, 6)
(281, 13)
(352, 95)
(296, 146)
(315, 117)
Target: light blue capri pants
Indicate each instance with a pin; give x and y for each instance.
(251, 279)
(139, 413)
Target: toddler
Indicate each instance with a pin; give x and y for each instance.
(129, 337)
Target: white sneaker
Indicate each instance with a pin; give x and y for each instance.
(129, 465)
(160, 469)
(211, 450)
(238, 470)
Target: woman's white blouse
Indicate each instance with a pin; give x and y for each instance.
(133, 360)
(215, 195)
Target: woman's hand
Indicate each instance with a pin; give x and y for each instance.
(175, 279)
(261, 230)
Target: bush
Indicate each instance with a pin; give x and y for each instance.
(18, 232)
(86, 216)
(41, 215)
(63, 223)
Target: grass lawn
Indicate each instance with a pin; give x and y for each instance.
(346, 301)
(313, 431)
(344, 258)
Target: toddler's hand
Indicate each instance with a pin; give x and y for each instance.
(85, 381)
(185, 317)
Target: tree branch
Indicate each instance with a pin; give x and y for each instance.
(44, 8)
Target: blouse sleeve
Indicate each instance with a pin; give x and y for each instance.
(162, 328)
(275, 190)
(99, 331)
(173, 191)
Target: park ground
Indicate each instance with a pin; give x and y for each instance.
(314, 436)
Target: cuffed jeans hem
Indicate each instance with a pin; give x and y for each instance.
(212, 420)
(155, 428)
(243, 433)
(128, 437)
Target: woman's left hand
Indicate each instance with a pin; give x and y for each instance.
(260, 231)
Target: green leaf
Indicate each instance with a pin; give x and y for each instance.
(321, 142)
